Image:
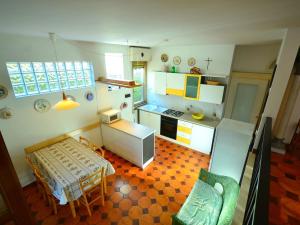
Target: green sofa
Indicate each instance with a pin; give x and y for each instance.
(207, 206)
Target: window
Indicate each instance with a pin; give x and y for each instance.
(139, 76)
(34, 78)
(114, 66)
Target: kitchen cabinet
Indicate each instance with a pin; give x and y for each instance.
(150, 120)
(191, 90)
(160, 83)
(202, 138)
(175, 84)
(197, 137)
(211, 93)
(131, 141)
(184, 132)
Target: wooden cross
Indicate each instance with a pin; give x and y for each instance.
(208, 60)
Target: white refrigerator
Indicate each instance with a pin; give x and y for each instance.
(230, 149)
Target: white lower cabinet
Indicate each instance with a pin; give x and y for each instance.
(150, 120)
(197, 137)
(202, 138)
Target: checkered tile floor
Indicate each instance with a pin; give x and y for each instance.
(285, 186)
(135, 197)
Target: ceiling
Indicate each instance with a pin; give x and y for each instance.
(152, 22)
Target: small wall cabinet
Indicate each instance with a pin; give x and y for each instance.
(191, 90)
(188, 86)
(150, 120)
(175, 84)
(160, 83)
(211, 93)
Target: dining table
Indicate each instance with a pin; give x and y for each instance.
(64, 163)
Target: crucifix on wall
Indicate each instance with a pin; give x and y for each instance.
(208, 60)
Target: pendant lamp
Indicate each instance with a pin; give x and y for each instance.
(65, 104)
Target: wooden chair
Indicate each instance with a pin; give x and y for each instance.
(39, 184)
(100, 151)
(89, 185)
(50, 197)
(92, 146)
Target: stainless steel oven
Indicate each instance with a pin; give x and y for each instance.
(168, 127)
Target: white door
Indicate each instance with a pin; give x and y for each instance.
(246, 95)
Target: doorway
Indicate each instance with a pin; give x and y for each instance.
(246, 95)
(13, 207)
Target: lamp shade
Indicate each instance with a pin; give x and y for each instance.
(65, 104)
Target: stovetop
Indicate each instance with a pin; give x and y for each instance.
(172, 112)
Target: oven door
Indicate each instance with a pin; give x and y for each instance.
(168, 127)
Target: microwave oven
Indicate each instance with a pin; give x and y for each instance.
(110, 116)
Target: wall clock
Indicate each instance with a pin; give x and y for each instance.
(176, 60)
(3, 92)
(191, 61)
(42, 105)
(164, 57)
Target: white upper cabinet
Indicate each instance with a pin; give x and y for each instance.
(160, 83)
(211, 93)
(175, 84)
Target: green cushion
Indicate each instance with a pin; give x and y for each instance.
(202, 207)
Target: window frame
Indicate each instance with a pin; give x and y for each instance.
(56, 69)
(114, 76)
(139, 64)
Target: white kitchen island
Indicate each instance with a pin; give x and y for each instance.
(131, 141)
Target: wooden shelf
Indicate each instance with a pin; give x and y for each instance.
(120, 83)
(204, 75)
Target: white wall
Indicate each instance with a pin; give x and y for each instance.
(285, 62)
(27, 126)
(255, 58)
(222, 59)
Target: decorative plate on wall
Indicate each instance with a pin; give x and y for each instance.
(176, 60)
(89, 96)
(42, 105)
(3, 92)
(164, 57)
(191, 61)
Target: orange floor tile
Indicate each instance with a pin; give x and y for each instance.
(135, 197)
(285, 186)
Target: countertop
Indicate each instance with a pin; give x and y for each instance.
(131, 128)
(207, 121)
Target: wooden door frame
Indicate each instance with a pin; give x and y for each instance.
(247, 76)
(12, 191)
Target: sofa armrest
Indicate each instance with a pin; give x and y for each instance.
(176, 221)
(208, 177)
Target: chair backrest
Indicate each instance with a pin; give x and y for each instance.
(91, 181)
(29, 162)
(42, 180)
(84, 141)
(230, 194)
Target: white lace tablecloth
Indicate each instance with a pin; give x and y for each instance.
(64, 163)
